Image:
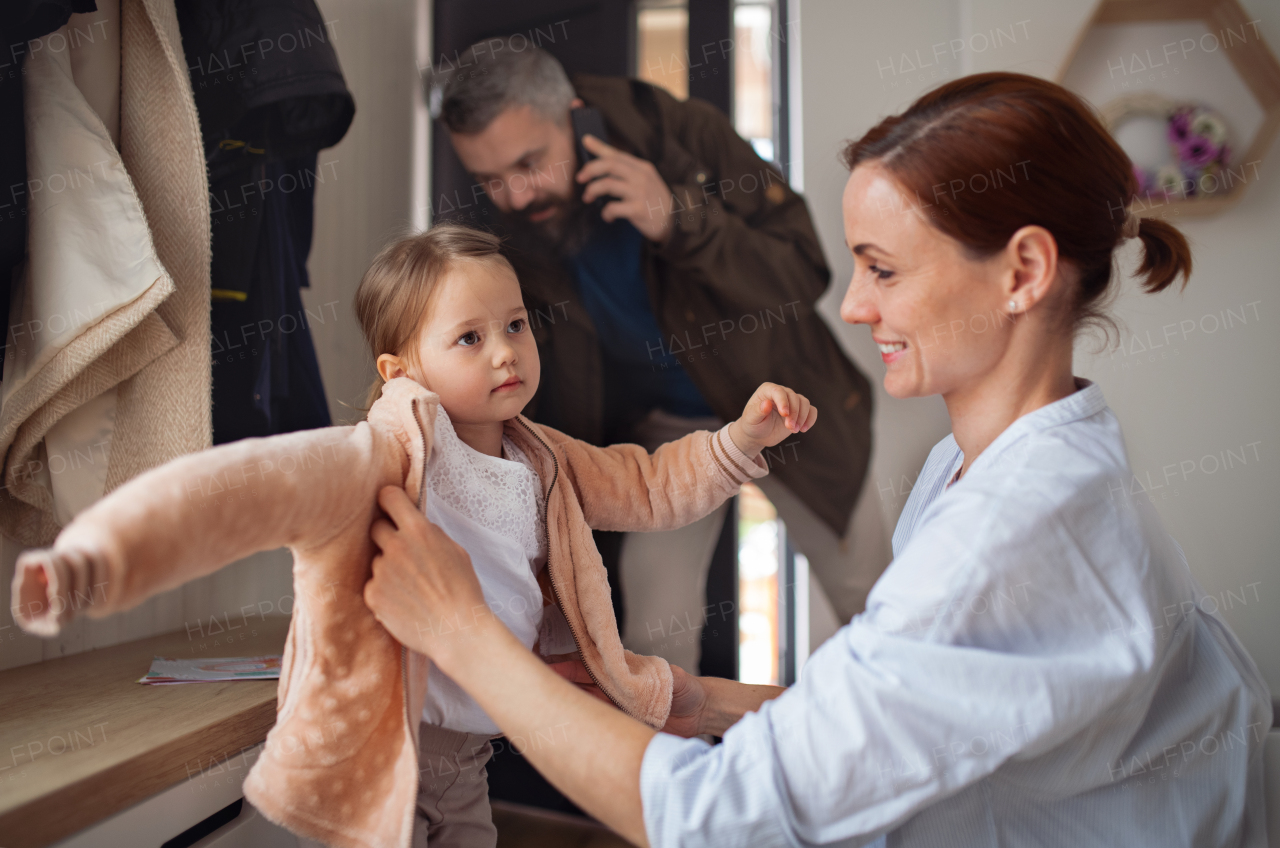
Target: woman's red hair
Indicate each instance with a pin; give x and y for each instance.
(991, 153)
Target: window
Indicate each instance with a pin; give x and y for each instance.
(662, 38)
(759, 532)
(773, 595)
(662, 58)
(754, 80)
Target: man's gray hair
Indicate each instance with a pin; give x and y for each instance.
(491, 76)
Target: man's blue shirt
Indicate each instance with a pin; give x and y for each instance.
(610, 280)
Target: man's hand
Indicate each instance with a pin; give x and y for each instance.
(643, 198)
(424, 589)
(773, 413)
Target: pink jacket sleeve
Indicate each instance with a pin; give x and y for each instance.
(195, 514)
(624, 487)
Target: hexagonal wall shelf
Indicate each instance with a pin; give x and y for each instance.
(1133, 52)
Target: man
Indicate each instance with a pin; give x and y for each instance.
(666, 278)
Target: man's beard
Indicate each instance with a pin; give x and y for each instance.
(565, 232)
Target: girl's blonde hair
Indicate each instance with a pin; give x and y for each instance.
(395, 293)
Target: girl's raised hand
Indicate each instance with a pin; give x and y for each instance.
(773, 413)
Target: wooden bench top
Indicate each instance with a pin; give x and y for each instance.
(80, 740)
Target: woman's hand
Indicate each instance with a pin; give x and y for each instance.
(425, 592)
(424, 589)
(688, 696)
(688, 701)
(773, 413)
(576, 673)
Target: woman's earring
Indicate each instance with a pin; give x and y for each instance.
(1013, 306)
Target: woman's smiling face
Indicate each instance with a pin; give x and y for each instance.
(939, 316)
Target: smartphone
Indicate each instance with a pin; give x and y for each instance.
(588, 120)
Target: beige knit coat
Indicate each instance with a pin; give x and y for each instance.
(111, 315)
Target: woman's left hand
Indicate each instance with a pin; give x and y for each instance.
(688, 701)
(688, 695)
(576, 673)
(424, 589)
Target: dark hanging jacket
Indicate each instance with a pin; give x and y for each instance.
(734, 290)
(270, 95)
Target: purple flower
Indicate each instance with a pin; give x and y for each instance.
(1198, 151)
(1180, 126)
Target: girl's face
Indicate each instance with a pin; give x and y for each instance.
(476, 350)
(941, 319)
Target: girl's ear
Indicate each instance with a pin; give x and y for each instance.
(390, 367)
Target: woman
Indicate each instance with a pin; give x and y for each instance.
(1034, 666)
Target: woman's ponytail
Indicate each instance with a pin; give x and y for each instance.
(1165, 255)
(1009, 150)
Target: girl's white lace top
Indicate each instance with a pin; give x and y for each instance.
(501, 495)
(492, 507)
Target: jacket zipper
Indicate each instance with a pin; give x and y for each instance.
(546, 527)
(422, 493)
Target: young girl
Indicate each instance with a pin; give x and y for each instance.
(372, 746)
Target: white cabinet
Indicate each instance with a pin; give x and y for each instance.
(165, 815)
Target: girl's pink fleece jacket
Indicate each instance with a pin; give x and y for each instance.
(340, 764)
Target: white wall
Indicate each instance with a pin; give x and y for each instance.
(366, 194)
(372, 197)
(1199, 396)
